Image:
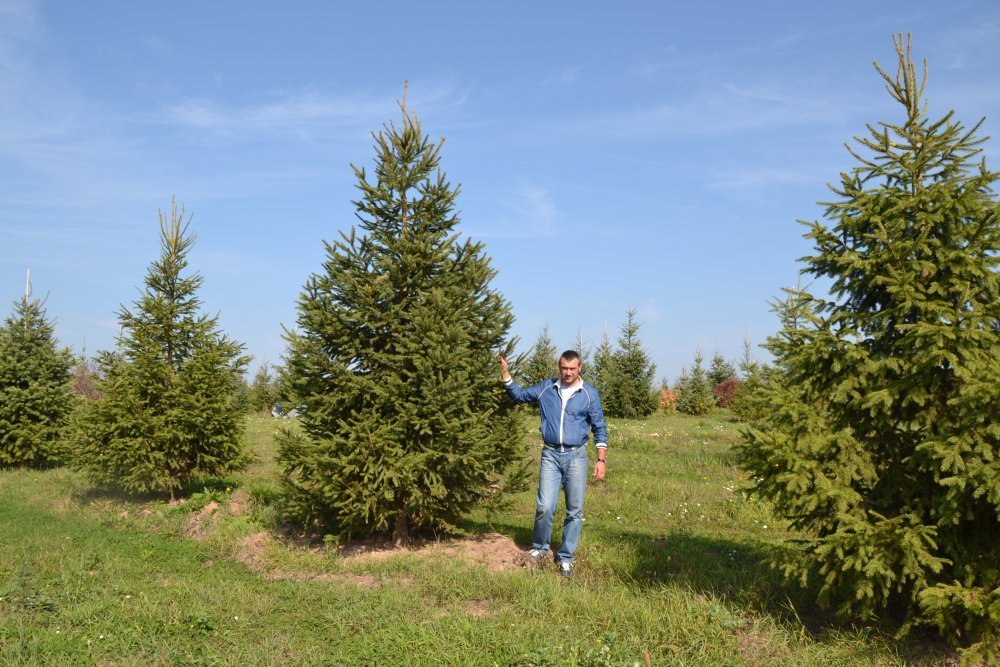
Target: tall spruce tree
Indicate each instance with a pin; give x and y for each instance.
(629, 375)
(35, 387)
(882, 445)
(168, 414)
(542, 362)
(393, 360)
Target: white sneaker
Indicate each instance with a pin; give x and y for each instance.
(535, 555)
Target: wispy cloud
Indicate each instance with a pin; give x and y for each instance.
(18, 29)
(650, 311)
(158, 45)
(669, 61)
(531, 213)
(287, 111)
(90, 154)
(564, 75)
(753, 178)
(236, 263)
(309, 109)
(960, 49)
(723, 110)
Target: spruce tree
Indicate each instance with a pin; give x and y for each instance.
(262, 394)
(696, 396)
(600, 371)
(720, 370)
(393, 360)
(169, 411)
(542, 362)
(35, 387)
(629, 375)
(750, 402)
(882, 445)
(583, 349)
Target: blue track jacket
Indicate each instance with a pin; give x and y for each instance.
(583, 413)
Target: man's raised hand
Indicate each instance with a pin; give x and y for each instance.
(504, 368)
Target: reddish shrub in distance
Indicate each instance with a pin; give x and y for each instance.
(724, 392)
(668, 399)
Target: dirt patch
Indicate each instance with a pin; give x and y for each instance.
(477, 608)
(239, 503)
(756, 649)
(251, 551)
(197, 525)
(494, 551)
(252, 554)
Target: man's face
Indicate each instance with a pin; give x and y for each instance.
(569, 370)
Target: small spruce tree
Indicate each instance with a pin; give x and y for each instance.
(35, 388)
(720, 370)
(696, 396)
(262, 394)
(169, 412)
(406, 426)
(883, 441)
(750, 402)
(601, 368)
(542, 362)
(582, 348)
(629, 375)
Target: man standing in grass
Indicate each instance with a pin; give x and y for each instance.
(570, 408)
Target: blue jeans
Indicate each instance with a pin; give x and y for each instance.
(565, 469)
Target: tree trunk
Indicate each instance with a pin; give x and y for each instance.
(401, 532)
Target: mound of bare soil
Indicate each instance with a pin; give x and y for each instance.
(197, 525)
(493, 551)
(251, 553)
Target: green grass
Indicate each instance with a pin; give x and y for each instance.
(669, 566)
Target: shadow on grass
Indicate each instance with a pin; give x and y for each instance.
(107, 493)
(738, 573)
(734, 572)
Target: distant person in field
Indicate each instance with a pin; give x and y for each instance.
(570, 408)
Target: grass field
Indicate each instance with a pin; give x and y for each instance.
(668, 573)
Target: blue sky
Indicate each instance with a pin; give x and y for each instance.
(650, 155)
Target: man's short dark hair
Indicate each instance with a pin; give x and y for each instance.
(570, 355)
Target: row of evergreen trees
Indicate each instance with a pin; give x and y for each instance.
(622, 374)
(158, 411)
(698, 391)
